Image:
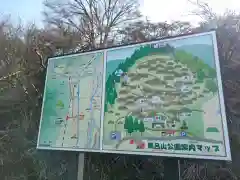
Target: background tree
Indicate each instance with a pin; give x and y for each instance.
(76, 26)
(227, 28)
(139, 31)
(96, 20)
(22, 74)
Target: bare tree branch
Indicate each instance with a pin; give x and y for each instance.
(95, 20)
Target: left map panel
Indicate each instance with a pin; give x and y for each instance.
(72, 103)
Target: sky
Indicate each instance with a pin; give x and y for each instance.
(28, 10)
(162, 10)
(155, 10)
(127, 52)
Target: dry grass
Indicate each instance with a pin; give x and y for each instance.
(122, 167)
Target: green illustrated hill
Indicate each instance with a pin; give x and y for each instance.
(161, 82)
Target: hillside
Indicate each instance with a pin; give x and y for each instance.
(112, 66)
(202, 51)
(195, 65)
(165, 83)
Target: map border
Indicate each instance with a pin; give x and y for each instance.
(166, 154)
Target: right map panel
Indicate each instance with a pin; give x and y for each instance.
(166, 98)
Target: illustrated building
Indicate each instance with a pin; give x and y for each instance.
(182, 87)
(142, 104)
(184, 112)
(124, 78)
(187, 78)
(170, 132)
(159, 45)
(157, 124)
(159, 121)
(185, 88)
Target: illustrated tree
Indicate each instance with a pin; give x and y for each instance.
(212, 73)
(111, 93)
(110, 98)
(130, 125)
(106, 107)
(60, 104)
(116, 78)
(126, 123)
(184, 125)
(111, 122)
(136, 125)
(114, 94)
(211, 86)
(200, 75)
(141, 127)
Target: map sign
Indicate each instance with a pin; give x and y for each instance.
(72, 102)
(159, 98)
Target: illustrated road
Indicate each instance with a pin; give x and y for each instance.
(72, 122)
(96, 84)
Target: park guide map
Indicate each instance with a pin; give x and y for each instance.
(160, 98)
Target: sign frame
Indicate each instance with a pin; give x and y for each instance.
(162, 40)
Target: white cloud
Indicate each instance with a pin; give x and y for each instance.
(169, 10)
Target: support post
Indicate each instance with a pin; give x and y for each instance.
(81, 158)
(172, 169)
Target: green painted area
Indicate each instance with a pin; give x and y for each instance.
(159, 72)
(196, 124)
(68, 94)
(60, 104)
(212, 129)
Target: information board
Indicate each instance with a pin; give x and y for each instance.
(160, 98)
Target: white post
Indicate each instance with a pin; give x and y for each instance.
(80, 174)
(179, 170)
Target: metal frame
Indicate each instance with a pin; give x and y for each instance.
(167, 39)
